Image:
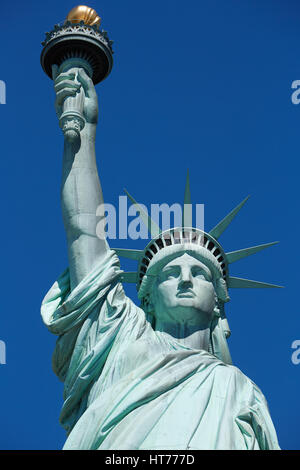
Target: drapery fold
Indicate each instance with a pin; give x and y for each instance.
(128, 387)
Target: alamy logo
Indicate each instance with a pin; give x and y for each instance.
(2, 92)
(132, 222)
(2, 352)
(296, 354)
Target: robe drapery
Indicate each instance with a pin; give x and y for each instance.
(127, 386)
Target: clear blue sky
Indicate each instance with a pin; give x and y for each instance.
(203, 85)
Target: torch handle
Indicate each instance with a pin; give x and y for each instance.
(72, 119)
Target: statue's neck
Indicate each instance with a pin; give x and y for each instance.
(188, 335)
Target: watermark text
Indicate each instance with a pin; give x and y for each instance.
(296, 354)
(2, 352)
(2, 92)
(133, 222)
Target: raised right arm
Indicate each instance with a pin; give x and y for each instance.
(81, 192)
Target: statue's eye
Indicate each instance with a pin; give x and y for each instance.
(199, 273)
(169, 274)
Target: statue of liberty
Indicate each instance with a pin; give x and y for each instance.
(158, 375)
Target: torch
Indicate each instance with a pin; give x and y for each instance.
(77, 43)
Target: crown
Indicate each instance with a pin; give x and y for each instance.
(187, 238)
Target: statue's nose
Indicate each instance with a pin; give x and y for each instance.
(185, 279)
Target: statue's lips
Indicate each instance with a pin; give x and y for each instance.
(187, 294)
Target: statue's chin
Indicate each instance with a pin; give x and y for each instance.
(185, 312)
(185, 303)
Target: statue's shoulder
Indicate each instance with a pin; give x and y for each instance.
(235, 378)
(244, 386)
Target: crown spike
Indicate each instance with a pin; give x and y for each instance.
(130, 254)
(234, 256)
(131, 277)
(239, 283)
(187, 217)
(217, 231)
(152, 227)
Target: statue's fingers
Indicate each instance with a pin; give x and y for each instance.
(64, 76)
(87, 83)
(63, 94)
(66, 84)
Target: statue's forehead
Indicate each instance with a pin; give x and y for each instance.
(185, 259)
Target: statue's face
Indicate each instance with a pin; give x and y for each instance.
(184, 292)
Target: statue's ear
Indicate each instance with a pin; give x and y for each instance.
(221, 290)
(217, 306)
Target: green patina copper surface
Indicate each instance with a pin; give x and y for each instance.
(158, 375)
